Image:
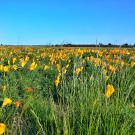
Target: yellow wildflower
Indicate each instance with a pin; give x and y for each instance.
(58, 67)
(6, 102)
(109, 90)
(23, 63)
(65, 71)
(96, 61)
(14, 67)
(13, 60)
(5, 68)
(27, 58)
(57, 81)
(111, 68)
(122, 63)
(78, 70)
(1, 67)
(100, 54)
(32, 66)
(11, 53)
(46, 67)
(132, 64)
(2, 128)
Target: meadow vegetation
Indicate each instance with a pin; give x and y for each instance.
(67, 91)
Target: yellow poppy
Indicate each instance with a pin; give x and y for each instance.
(32, 66)
(109, 90)
(6, 102)
(57, 81)
(2, 128)
(23, 63)
(13, 60)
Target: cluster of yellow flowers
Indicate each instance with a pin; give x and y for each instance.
(108, 58)
(109, 61)
(4, 68)
(6, 102)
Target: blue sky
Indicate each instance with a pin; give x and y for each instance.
(73, 21)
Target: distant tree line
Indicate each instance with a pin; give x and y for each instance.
(126, 45)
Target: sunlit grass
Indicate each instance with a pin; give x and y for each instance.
(70, 92)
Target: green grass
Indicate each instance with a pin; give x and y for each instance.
(82, 109)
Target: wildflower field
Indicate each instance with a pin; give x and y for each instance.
(67, 91)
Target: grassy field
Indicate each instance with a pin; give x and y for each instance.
(67, 91)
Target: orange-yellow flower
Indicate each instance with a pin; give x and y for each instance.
(96, 61)
(122, 63)
(115, 51)
(2, 128)
(23, 63)
(32, 66)
(6, 102)
(17, 104)
(57, 81)
(14, 67)
(109, 90)
(26, 58)
(58, 67)
(29, 89)
(132, 64)
(111, 68)
(13, 60)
